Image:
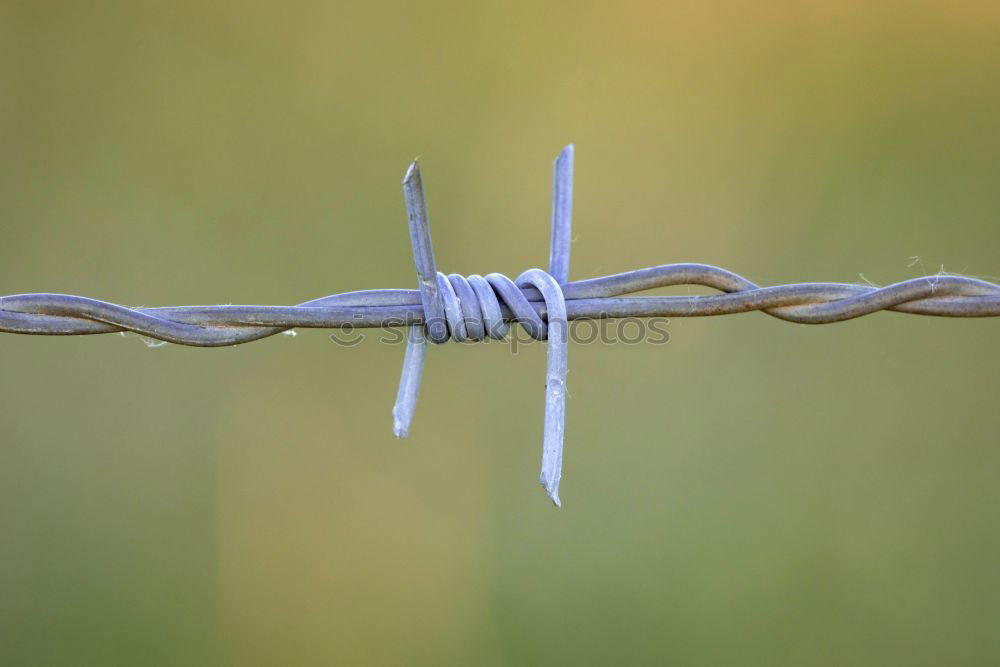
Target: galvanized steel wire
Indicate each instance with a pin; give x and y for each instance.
(217, 326)
(455, 307)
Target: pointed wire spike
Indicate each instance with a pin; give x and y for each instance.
(562, 215)
(413, 171)
(423, 254)
(430, 297)
(409, 382)
(555, 378)
(559, 253)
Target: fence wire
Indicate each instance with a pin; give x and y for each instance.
(474, 307)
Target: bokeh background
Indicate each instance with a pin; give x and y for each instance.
(753, 493)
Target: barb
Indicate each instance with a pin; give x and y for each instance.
(476, 307)
(469, 309)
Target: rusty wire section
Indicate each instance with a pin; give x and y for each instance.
(455, 307)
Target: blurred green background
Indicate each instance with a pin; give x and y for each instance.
(753, 493)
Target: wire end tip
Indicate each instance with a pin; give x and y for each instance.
(400, 427)
(413, 171)
(553, 492)
(566, 152)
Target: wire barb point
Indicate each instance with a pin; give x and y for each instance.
(413, 171)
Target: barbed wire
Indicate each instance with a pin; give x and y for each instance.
(456, 307)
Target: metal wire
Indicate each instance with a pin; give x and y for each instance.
(474, 307)
(596, 298)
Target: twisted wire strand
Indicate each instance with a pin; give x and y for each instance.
(215, 326)
(473, 308)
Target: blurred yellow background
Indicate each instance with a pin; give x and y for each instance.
(753, 493)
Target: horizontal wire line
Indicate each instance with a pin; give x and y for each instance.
(223, 325)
